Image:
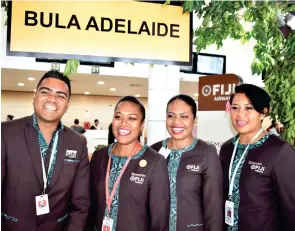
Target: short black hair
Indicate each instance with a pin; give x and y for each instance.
(134, 100)
(76, 121)
(187, 99)
(10, 117)
(96, 120)
(258, 97)
(57, 75)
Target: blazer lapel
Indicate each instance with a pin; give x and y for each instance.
(62, 146)
(33, 144)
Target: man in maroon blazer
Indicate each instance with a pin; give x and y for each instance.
(44, 165)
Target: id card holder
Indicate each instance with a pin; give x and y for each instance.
(107, 224)
(165, 152)
(42, 204)
(229, 213)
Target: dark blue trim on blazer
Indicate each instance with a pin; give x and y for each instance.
(71, 161)
(194, 225)
(62, 218)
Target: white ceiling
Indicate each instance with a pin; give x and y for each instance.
(88, 82)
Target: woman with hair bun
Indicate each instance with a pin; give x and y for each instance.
(258, 168)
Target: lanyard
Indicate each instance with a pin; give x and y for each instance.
(232, 176)
(109, 198)
(53, 151)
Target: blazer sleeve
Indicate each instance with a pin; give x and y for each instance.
(80, 198)
(212, 192)
(284, 172)
(3, 160)
(159, 197)
(91, 219)
(224, 165)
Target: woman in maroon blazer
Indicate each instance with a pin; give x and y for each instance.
(259, 168)
(129, 182)
(194, 171)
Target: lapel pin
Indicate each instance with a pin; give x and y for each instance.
(142, 163)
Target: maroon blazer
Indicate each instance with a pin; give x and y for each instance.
(21, 180)
(266, 185)
(199, 191)
(142, 207)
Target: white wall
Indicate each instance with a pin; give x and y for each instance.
(238, 56)
(215, 127)
(82, 107)
(238, 59)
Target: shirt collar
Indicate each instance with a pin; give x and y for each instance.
(185, 149)
(60, 126)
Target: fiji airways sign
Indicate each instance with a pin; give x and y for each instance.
(219, 89)
(215, 91)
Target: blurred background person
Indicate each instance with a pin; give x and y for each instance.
(9, 117)
(274, 129)
(96, 125)
(77, 128)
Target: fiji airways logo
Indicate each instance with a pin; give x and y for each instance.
(257, 167)
(193, 168)
(71, 154)
(224, 90)
(137, 178)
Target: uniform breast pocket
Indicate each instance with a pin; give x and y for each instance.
(70, 167)
(138, 185)
(195, 227)
(71, 162)
(191, 180)
(257, 174)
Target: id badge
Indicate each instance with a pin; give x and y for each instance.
(229, 213)
(107, 224)
(42, 204)
(165, 152)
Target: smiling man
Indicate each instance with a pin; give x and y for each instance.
(44, 165)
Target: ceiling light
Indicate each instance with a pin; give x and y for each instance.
(35, 90)
(21, 84)
(196, 94)
(86, 92)
(31, 78)
(137, 95)
(100, 82)
(113, 89)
